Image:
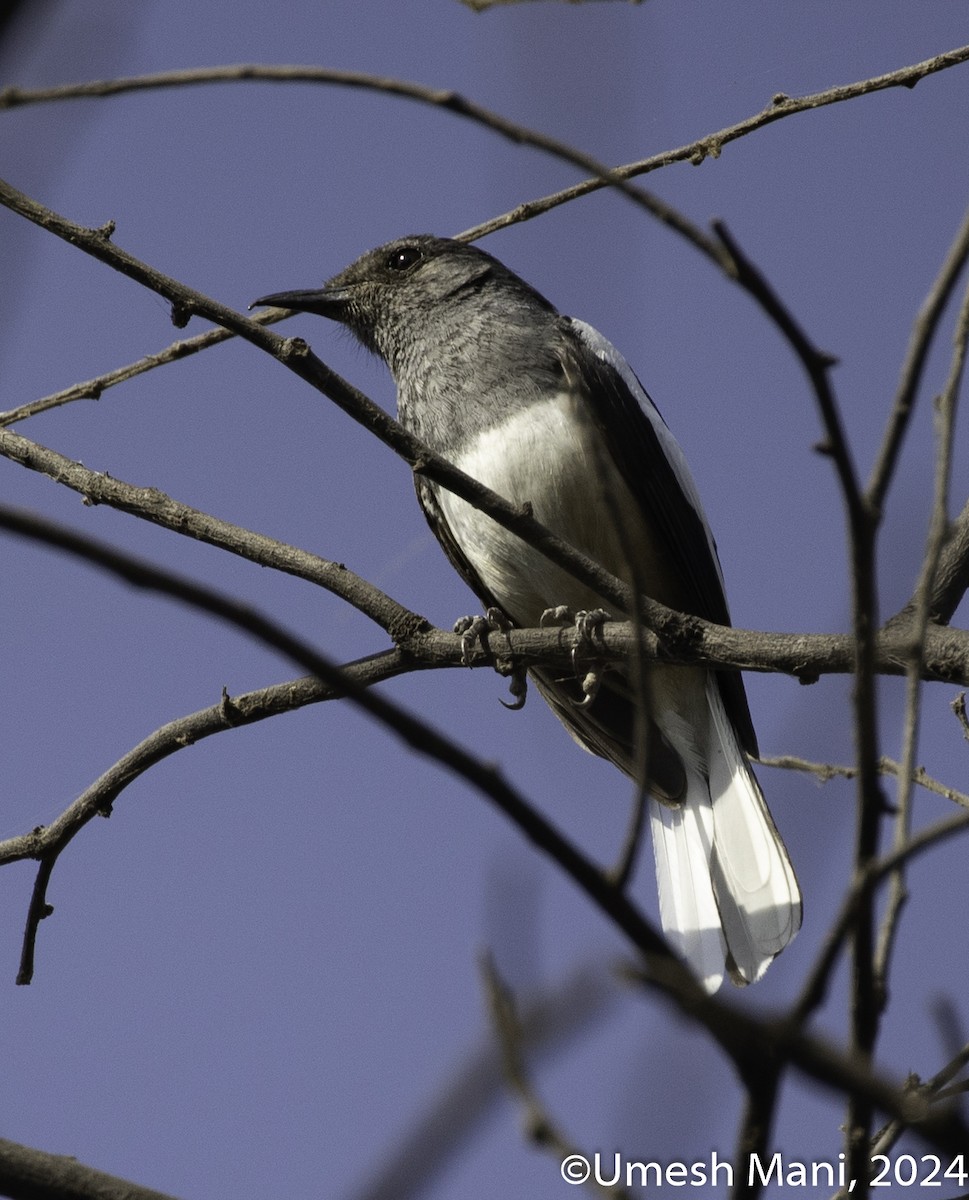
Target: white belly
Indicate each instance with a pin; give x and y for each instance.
(550, 456)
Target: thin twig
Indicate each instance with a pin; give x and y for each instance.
(711, 146)
(815, 989)
(933, 1089)
(550, 1022)
(923, 334)
(540, 1128)
(887, 766)
(93, 389)
(938, 526)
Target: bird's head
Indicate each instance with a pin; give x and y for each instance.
(414, 291)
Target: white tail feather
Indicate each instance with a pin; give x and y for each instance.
(682, 846)
(728, 895)
(760, 902)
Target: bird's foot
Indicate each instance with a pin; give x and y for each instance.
(475, 630)
(587, 626)
(561, 614)
(590, 683)
(518, 686)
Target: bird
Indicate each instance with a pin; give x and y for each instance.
(542, 409)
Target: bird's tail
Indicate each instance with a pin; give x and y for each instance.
(729, 899)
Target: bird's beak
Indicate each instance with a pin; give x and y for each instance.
(325, 302)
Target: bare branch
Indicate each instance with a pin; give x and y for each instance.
(685, 639)
(712, 145)
(814, 991)
(938, 528)
(923, 335)
(93, 389)
(540, 1128)
(29, 1174)
(887, 766)
(152, 505)
(549, 1022)
(416, 733)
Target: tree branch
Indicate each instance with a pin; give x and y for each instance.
(150, 504)
(815, 989)
(93, 389)
(540, 1128)
(711, 146)
(923, 334)
(28, 1174)
(549, 1022)
(938, 527)
(416, 733)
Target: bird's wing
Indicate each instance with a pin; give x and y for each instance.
(655, 470)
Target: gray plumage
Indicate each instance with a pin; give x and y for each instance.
(542, 409)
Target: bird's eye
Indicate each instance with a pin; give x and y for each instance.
(404, 258)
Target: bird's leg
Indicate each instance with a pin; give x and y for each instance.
(586, 624)
(476, 629)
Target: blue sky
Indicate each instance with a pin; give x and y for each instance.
(263, 968)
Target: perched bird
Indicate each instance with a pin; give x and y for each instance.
(542, 409)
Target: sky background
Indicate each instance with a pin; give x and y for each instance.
(264, 968)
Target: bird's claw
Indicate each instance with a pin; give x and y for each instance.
(587, 624)
(561, 614)
(474, 630)
(590, 683)
(518, 687)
